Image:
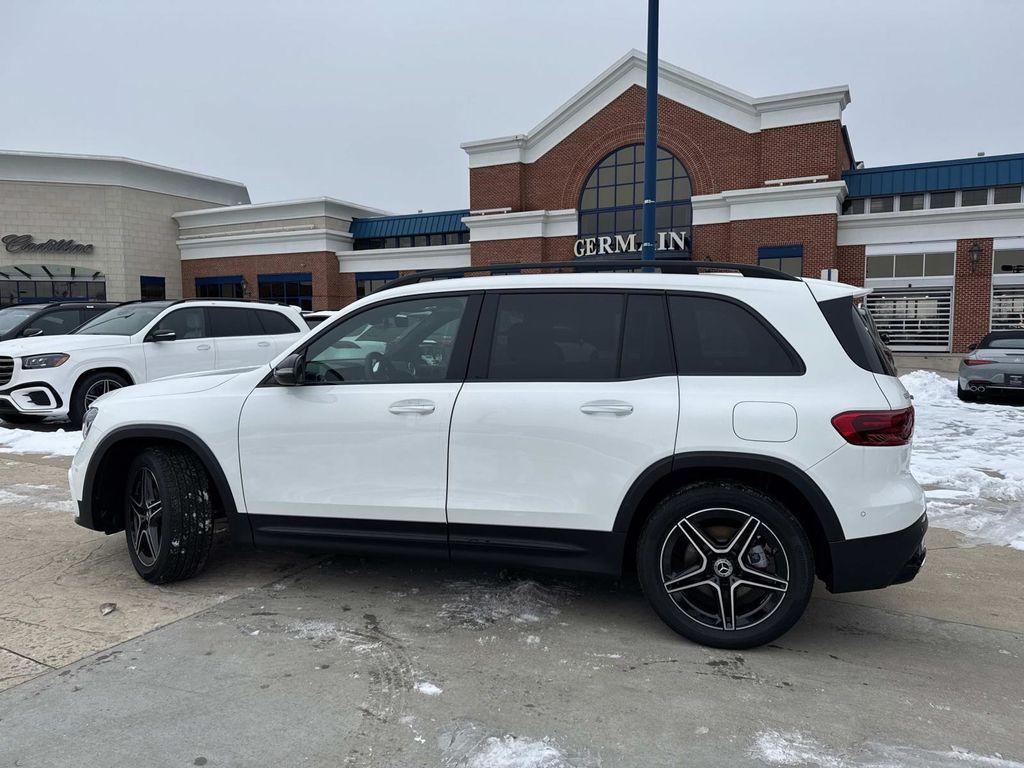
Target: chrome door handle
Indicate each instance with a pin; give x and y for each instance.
(412, 406)
(203, 347)
(262, 343)
(613, 407)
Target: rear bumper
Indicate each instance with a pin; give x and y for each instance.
(874, 562)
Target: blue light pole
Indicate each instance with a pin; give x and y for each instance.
(650, 131)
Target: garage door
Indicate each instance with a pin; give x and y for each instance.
(914, 320)
(1007, 307)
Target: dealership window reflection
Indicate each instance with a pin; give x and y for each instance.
(611, 202)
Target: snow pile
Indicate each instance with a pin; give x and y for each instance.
(478, 604)
(468, 745)
(428, 689)
(58, 443)
(969, 457)
(776, 748)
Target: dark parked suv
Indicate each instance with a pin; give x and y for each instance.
(21, 320)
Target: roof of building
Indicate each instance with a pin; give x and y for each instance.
(119, 172)
(428, 223)
(937, 176)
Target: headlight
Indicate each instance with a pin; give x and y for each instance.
(87, 420)
(44, 361)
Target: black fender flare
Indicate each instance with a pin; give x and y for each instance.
(795, 476)
(238, 524)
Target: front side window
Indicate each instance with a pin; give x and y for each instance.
(123, 321)
(403, 341)
(715, 337)
(611, 203)
(187, 323)
(58, 322)
(556, 337)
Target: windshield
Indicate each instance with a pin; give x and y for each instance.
(11, 316)
(123, 321)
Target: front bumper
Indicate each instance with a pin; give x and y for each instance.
(874, 562)
(31, 398)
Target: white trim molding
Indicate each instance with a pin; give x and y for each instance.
(387, 259)
(920, 246)
(264, 243)
(706, 96)
(100, 170)
(936, 224)
(279, 211)
(769, 202)
(512, 226)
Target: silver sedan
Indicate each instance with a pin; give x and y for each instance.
(996, 365)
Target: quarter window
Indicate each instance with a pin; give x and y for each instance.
(714, 337)
(274, 323)
(405, 341)
(556, 337)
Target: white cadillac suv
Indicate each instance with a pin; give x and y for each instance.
(60, 376)
(729, 437)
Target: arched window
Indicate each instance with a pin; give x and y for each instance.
(611, 203)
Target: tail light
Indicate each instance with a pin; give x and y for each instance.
(876, 427)
(976, 361)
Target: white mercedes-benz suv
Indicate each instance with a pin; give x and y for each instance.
(729, 437)
(60, 376)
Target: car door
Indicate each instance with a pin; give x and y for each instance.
(570, 396)
(189, 351)
(358, 451)
(238, 337)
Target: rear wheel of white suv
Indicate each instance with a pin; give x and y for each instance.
(168, 518)
(725, 565)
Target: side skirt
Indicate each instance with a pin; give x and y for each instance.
(547, 548)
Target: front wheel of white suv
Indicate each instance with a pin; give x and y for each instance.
(725, 565)
(89, 388)
(168, 518)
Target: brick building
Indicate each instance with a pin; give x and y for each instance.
(770, 180)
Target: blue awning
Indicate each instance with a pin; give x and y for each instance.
(431, 223)
(940, 176)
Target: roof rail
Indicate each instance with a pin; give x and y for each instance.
(666, 266)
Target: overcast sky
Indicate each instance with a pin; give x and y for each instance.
(368, 101)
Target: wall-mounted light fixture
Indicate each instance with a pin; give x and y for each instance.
(975, 255)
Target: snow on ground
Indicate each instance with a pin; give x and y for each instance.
(48, 498)
(468, 744)
(57, 443)
(428, 689)
(479, 604)
(969, 457)
(776, 748)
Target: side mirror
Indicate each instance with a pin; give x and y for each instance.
(32, 332)
(291, 372)
(971, 347)
(163, 335)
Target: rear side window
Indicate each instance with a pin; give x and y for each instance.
(227, 321)
(646, 343)
(716, 337)
(274, 323)
(556, 337)
(857, 335)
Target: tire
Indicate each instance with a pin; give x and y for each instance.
(174, 543)
(22, 418)
(88, 388)
(965, 395)
(708, 539)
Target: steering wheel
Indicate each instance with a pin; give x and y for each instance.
(378, 367)
(321, 373)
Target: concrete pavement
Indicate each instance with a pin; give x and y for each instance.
(282, 660)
